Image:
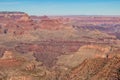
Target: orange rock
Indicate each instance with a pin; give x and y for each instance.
(21, 78)
(30, 67)
(8, 55)
(25, 18)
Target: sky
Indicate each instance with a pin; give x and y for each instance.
(62, 7)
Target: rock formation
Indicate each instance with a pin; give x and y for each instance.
(21, 78)
(25, 18)
(50, 24)
(30, 67)
(8, 55)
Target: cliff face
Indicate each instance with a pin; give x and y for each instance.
(97, 69)
(84, 52)
(15, 23)
(51, 24)
(14, 16)
(18, 67)
(9, 60)
(25, 18)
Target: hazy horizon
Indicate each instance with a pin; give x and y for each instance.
(62, 7)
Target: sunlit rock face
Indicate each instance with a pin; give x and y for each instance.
(11, 15)
(50, 24)
(25, 18)
(16, 16)
(30, 67)
(8, 55)
(21, 78)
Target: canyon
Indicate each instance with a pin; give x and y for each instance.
(59, 47)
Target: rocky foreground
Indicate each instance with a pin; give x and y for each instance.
(59, 47)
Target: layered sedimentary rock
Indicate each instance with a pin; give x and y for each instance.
(59, 47)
